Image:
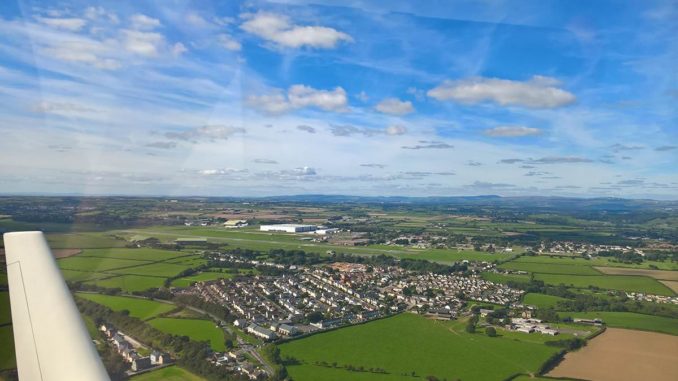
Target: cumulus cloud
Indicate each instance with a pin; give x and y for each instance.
(510, 161)
(178, 49)
(426, 144)
(279, 30)
(143, 43)
(537, 92)
(348, 130)
(304, 171)
(362, 96)
(72, 24)
(560, 160)
(221, 172)
(665, 148)
(622, 147)
(394, 106)
(205, 133)
(228, 42)
(511, 131)
(143, 22)
(308, 129)
(299, 96)
(472, 163)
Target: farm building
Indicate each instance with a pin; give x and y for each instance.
(235, 224)
(287, 228)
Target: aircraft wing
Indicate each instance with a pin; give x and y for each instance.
(51, 340)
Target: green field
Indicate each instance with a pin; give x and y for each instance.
(189, 280)
(96, 264)
(598, 261)
(7, 356)
(198, 330)
(83, 240)
(630, 320)
(171, 373)
(541, 300)
(407, 343)
(164, 270)
(609, 282)
(551, 268)
(144, 254)
(5, 313)
(504, 278)
(130, 283)
(139, 308)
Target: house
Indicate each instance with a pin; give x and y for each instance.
(261, 332)
(159, 358)
(141, 363)
(484, 312)
(288, 330)
(240, 323)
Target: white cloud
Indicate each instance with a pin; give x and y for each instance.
(362, 96)
(96, 13)
(279, 30)
(143, 43)
(83, 51)
(394, 106)
(395, 130)
(143, 22)
(229, 42)
(538, 92)
(299, 96)
(511, 131)
(208, 133)
(178, 49)
(71, 24)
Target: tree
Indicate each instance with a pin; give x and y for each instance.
(491, 332)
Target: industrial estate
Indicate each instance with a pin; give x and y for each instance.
(324, 290)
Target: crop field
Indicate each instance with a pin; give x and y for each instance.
(170, 373)
(7, 355)
(541, 300)
(610, 282)
(198, 330)
(599, 261)
(441, 349)
(81, 276)
(130, 283)
(656, 274)
(630, 320)
(140, 308)
(620, 354)
(504, 278)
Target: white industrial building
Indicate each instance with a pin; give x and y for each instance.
(287, 228)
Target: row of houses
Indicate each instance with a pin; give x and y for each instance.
(130, 353)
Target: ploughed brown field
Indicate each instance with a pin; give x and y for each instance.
(64, 253)
(622, 354)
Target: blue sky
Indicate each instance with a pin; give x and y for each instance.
(568, 98)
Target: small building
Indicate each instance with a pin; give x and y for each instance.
(159, 358)
(288, 330)
(261, 332)
(141, 363)
(287, 228)
(240, 323)
(233, 224)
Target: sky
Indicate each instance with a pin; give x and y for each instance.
(256, 98)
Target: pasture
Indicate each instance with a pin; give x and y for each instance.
(443, 350)
(139, 308)
(170, 373)
(610, 282)
(97, 264)
(550, 268)
(541, 300)
(598, 261)
(142, 254)
(656, 274)
(620, 354)
(630, 320)
(130, 283)
(202, 277)
(197, 330)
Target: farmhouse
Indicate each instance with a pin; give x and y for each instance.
(287, 228)
(141, 363)
(159, 358)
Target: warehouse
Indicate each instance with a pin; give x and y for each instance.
(288, 228)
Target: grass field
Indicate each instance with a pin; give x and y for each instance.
(198, 330)
(599, 261)
(189, 280)
(7, 356)
(550, 268)
(5, 313)
(610, 282)
(407, 343)
(541, 300)
(504, 278)
(144, 254)
(139, 308)
(96, 264)
(630, 320)
(171, 373)
(130, 283)
(656, 274)
(164, 270)
(83, 240)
